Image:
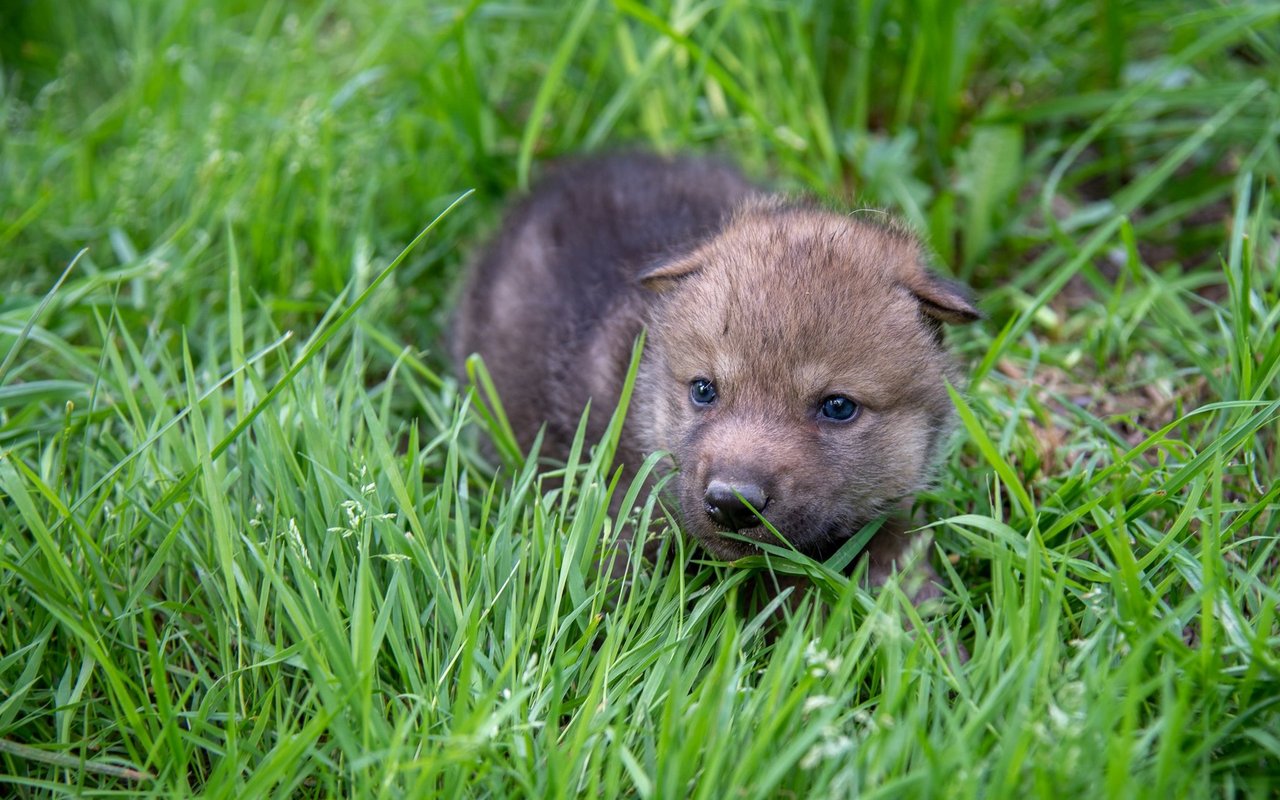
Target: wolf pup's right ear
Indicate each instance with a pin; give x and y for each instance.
(942, 299)
(666, 274)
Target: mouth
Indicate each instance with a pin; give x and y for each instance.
(818, 543)
(741, 543)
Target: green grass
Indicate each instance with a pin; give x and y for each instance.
(249, 546)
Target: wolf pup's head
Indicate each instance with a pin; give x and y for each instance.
(796, 366)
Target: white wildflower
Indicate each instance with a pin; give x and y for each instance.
(530, 669)
(820, 662)
(816, 702)
(833, 744)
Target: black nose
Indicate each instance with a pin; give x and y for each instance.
(725, 503)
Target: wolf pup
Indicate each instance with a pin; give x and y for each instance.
(794, 364)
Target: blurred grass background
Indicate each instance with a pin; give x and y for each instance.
(248, 547)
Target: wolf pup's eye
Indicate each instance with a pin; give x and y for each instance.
(839, 408)
(702, 392)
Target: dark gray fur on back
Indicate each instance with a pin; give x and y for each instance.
(552, 304)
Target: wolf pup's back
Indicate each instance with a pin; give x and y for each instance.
(553, 304)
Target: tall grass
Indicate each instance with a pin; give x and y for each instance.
(249, 545)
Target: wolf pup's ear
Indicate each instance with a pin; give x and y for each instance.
(666, 274)
(942, 299)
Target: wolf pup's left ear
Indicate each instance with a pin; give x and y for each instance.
(942, 299)
(666, 274)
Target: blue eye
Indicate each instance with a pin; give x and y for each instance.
(839, 408)
(702, 392)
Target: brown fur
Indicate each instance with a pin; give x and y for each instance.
(780, 305)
